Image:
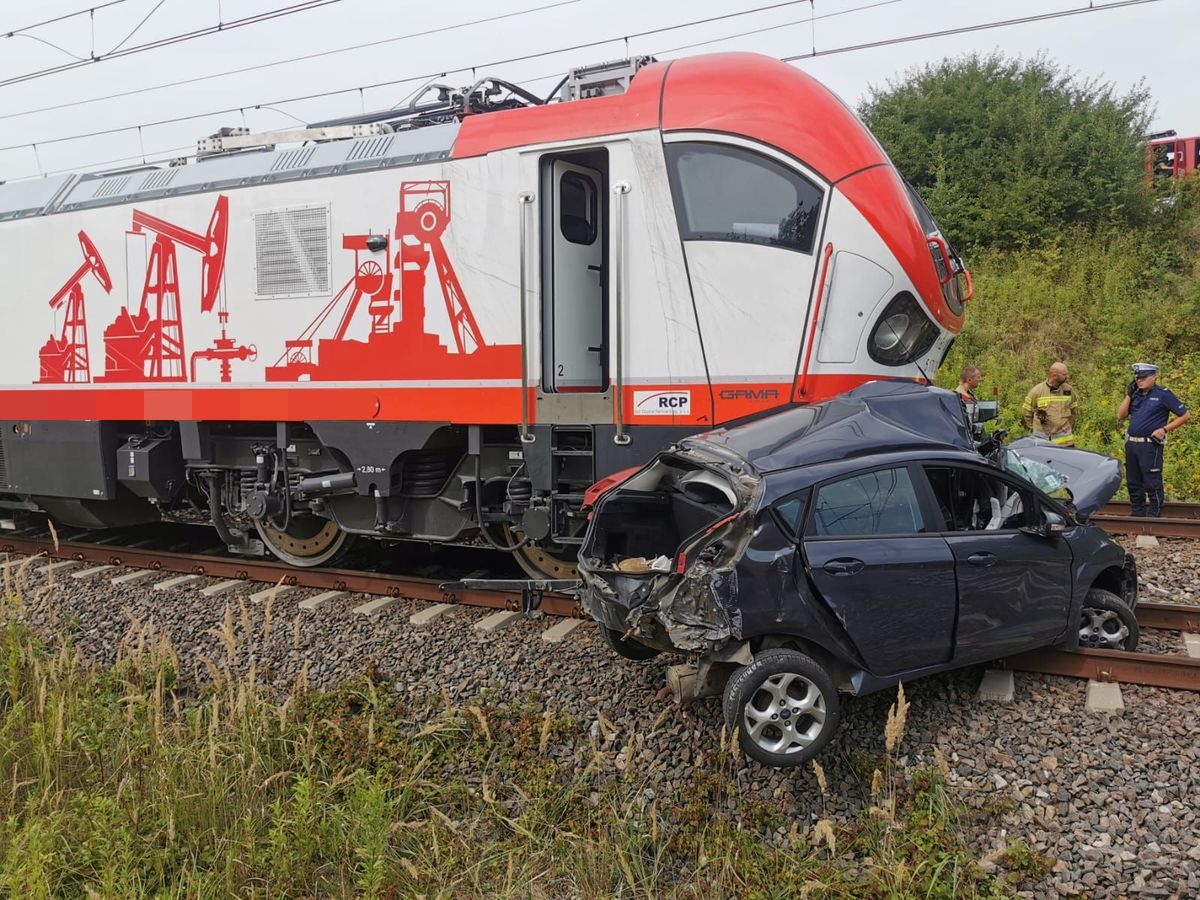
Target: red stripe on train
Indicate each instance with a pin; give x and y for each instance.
(457, 405)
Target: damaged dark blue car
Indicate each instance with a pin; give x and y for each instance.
(849, 545)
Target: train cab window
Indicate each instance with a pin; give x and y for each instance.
(577, 217)
(725, 193)
(903, 333)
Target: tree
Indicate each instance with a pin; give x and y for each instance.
(1007, 152)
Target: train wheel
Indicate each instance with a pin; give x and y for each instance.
(308, 540)
(539, 562)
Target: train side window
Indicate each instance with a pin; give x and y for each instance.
(577, 219)
(725, 193)
(903, 333)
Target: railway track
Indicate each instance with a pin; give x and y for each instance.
(271, 572)
(1155, 670)
(1178, 520)
(1163, 670)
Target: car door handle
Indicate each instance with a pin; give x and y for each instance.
(844, 566)
(982, 559)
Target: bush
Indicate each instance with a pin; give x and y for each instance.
(1007, 153)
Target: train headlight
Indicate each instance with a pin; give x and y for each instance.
(903, 332)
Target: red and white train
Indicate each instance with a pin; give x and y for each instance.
(443, 322)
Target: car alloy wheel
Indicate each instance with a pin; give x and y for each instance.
(784, 707)
(1107, 623)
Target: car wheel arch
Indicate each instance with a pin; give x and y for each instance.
(1111, 579)
(838, 670)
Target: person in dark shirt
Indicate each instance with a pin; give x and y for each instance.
(1148, 408)
(971, 377)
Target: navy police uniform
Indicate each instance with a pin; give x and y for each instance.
(1143, 454)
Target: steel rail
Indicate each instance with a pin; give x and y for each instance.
(272, 572)
(1159, 527)
(1150, 669)
(1172, 509)
(1169, 616)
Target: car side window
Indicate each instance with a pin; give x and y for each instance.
(790, 512)
(975, 501)
(873, 503)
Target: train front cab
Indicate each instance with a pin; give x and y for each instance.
(707, 270)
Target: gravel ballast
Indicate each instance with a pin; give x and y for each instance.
(1110, 797)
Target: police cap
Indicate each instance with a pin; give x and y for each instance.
(1142, 369)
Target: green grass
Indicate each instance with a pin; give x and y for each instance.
(133, 781)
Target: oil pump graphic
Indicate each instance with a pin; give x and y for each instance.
(148, 345)
(64, 359)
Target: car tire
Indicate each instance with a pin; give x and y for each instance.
(1107, 623)
(811, 700)
(628, 649)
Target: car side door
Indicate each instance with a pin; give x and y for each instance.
(1014, 585)
(876, 559)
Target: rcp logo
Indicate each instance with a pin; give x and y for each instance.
(662, 403)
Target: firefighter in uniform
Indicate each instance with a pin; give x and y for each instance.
(1049, 408)
(1148, 407)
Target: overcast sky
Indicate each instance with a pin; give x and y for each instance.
(1153, 42)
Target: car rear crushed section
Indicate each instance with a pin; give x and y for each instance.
(858, 542)
(661, 558)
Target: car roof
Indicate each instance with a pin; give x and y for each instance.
(782, 482)
(881, 416)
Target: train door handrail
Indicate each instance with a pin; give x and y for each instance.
(620, 189)
(525, 199)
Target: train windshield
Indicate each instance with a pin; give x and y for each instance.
(726, 193)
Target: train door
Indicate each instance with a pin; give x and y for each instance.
(575, 272)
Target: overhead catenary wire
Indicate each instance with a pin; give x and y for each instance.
(171, 40)
(307, 57)
(405, 80)
(766, 28)
(929, 35)
(968, 29)
(138, 27)
(91, 10)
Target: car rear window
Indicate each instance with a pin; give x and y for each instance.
(873, 503)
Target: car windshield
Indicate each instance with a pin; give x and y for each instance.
(1045, 478)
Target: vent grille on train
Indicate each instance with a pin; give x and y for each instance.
(293, 159)
(291, 251)
(110, 187)
(370, 149)
(158, 179)
(3, 466)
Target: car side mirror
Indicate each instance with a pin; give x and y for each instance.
(1052, 525)
(1055, 524)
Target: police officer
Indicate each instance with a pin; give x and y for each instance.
(1148, 407)
(1049, 408)
(969, 380)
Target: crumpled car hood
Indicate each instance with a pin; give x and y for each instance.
(1093, 478)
